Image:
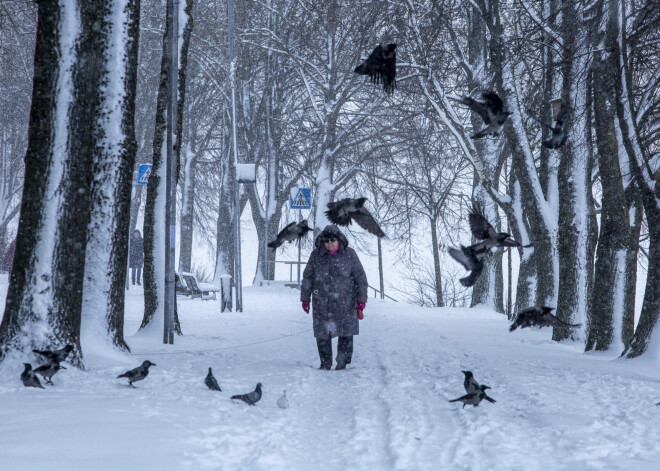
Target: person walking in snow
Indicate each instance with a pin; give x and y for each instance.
(136, 256)
(335, 283)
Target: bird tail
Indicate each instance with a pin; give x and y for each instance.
(41, 352)
(489, 399)
(274, 244)
(123, 375)
(237, 396)
(480, 134)
(513, 327)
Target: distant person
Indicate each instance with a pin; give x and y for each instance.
(136, 256)
(335, 283)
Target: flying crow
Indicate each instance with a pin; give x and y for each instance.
(467, 257)
(381, 67)
(539, 316)
(484, 231)
(491, 111)
(558, 137)
(293, 231)
(343, 212)
(55, 356)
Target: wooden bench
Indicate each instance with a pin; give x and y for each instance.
(196, 289)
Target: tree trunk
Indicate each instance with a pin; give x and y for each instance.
(44, 299)
(439, 301)
(154, 213)
(107, 247)
(606, 316)
(575, 257)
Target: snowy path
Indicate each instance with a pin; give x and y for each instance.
(556, 407)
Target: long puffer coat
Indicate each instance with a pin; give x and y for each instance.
(335, 283)
(136, 252)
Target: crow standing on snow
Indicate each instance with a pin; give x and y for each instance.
(474, 399)
(29, 378)
(381, 66)
(55, 356)
(558, 137)
(471, 386)
(137, 374)
(467, 257)
(48, 371)
(211, 382)
(250, 398)
(343, 212)
(539, 317)
(491, 111)
(293, 231)
(484, 231)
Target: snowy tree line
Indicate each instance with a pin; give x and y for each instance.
(591, 208)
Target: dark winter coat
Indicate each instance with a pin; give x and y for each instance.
(335, 283)
(136, 252)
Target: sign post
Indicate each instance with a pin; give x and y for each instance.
(300, 198)
(245, 173)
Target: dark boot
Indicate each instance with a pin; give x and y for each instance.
(325, 352)
(344, 352)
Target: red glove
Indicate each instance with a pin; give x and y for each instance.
(305, 306)
(360, 307)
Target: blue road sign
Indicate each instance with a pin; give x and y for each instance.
(144, 172)
(301, 198)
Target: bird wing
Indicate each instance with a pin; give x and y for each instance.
(461, 258)
(477, 107)
(372, 64)
(479, 225)
(336, 218)
(366, 221)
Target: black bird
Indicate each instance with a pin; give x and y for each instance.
(558, 137)
(29, 378)
(484, 231)
(48, 371)
(344, 212)
(381, 66)
(55, 356)
(467, 257)
(211, 383)
(293, 231)
(539, 316)
(491, 111)
(470, 384)
(250, 398)
(137, 374)
(474, 399)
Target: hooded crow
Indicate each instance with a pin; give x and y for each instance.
(55, 356)
(344, 212)
(467, 257)
(293, 231)
(48, 371)
(484, 231)
(491, 111)
(474, 399)
(137, 374)
(381, 66)
(539, 316)
(558, 137)
(29, 378)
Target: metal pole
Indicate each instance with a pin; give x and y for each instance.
(170, 183)
(237, 219)
(299, 245)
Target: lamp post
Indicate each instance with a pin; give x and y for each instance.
(170, 184)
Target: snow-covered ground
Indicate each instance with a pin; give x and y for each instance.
(556, 407)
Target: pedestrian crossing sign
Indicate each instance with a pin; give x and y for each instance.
(301, 198)
(144, 172)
